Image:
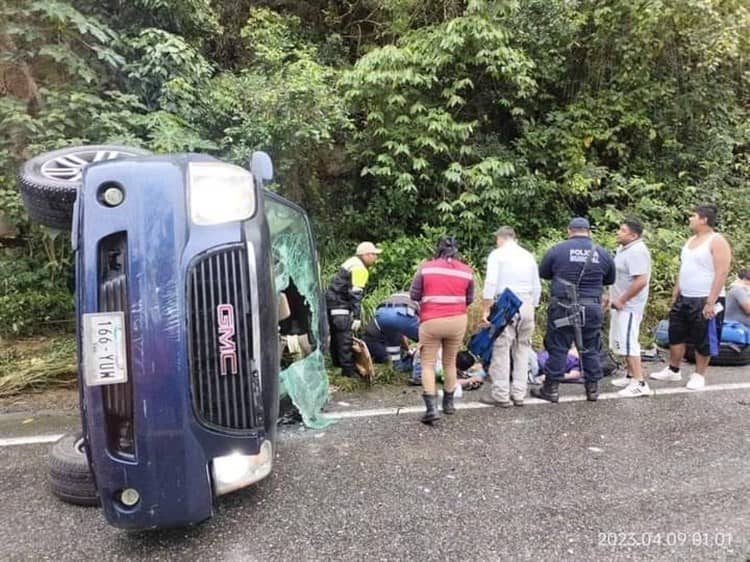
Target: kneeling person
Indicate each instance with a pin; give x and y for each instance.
(395, 319)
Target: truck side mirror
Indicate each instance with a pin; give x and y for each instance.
(261, 167)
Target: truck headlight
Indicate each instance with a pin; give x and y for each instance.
(219, 193)
(233, 472)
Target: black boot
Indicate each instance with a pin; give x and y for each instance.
(550, 391)
(592, 391)
(431, 414)
(448, 407)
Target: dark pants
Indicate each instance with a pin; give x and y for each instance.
(558, 342)
(340, 327)
(687, 324)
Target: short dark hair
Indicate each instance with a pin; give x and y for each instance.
(634, 225)
(744, 274)
(464, 360)
(707, 211)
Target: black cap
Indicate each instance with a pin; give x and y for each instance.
(579, 223)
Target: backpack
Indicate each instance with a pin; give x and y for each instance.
(505, 307)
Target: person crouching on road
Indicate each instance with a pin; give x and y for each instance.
(627, 301)
(578, 269)
(344, 299)
(395, 318)
(444, 287)
(510, 266)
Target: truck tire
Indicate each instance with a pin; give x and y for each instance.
(70, 477)
(49, 182)
(730, 355)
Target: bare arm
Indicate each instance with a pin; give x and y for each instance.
(415, 291)
(638, 283)
(721, 254)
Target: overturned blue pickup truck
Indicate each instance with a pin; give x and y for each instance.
(198, 303)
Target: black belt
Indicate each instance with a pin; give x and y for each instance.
(587, 300)
(394, 305)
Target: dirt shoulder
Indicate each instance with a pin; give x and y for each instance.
(63, 400)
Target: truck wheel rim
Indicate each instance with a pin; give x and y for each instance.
(69, 167)
(78, 446)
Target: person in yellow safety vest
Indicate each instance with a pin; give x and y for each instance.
(343, 300)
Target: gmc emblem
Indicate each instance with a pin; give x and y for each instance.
(227, 345)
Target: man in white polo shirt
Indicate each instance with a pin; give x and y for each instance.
(509, 265)
(627, 301)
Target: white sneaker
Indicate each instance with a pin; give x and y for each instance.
(696, 382)
(666, 374)
(621, 381)
(634, 390)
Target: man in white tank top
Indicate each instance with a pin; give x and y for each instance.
(698, 297)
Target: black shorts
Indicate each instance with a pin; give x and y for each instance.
(687, 324)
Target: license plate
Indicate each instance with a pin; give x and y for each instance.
(104, 350)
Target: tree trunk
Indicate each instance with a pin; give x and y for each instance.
(16, 78)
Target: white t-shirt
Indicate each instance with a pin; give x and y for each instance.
(631, 260)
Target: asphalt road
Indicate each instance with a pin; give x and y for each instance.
(660, 478)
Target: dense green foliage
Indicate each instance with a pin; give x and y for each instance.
(394, 120)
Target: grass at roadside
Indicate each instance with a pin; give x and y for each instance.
(384, 375)
(37, 363)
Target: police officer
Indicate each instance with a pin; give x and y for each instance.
(395, 318)
(578, 269)
(343, 299)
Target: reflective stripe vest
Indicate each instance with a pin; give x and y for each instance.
(446, 288)
(347, 287)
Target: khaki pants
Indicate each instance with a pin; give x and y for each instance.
(447, 333)
(515, 342)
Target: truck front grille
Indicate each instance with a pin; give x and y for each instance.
(225, 383)
(113, 297)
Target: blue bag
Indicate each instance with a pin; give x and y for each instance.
(713, 338)
(661, 336)
(735, 332)
(506, 306)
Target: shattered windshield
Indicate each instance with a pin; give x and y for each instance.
(303, 376)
